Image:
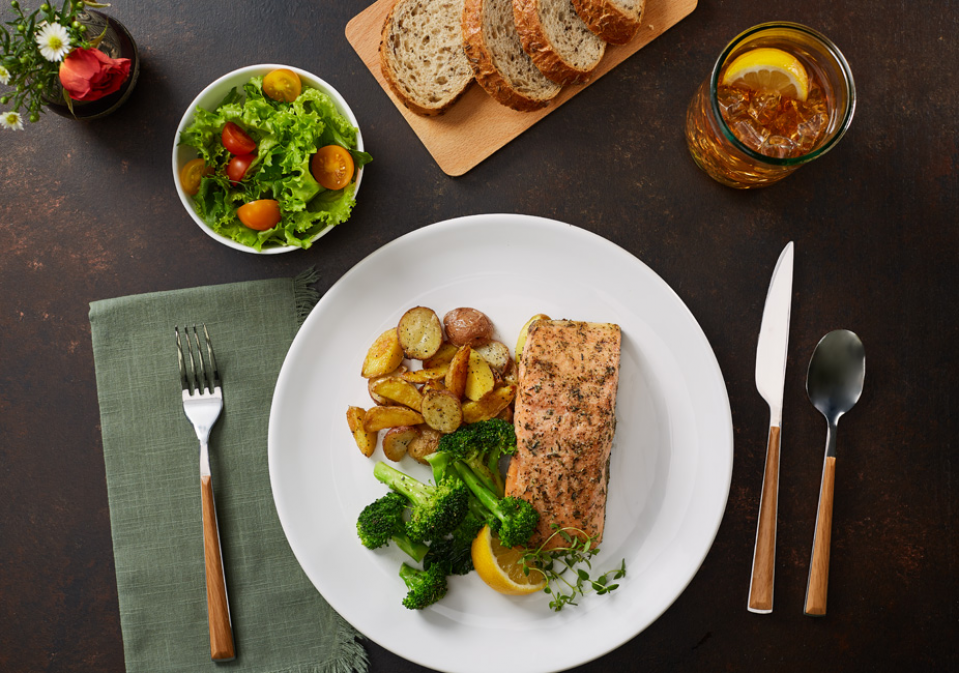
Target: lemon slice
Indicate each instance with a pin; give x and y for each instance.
(502, 567)
(771, 70)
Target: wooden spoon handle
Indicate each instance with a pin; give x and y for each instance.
(818, 584)
(218, 606)
(764, 555)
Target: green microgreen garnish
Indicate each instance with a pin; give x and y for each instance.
(563, 567)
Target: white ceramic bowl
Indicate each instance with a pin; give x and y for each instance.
(208, 99)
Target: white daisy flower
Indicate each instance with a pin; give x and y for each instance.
(12, 121)
(54, 41)
(4, 75)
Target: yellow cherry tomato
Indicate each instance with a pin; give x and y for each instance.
(332, 167)
(190, 175)
(282, 85)
(260, 215)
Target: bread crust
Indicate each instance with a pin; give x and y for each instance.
(542, 52)
(608, 21)
(394, 81)
(484, 69)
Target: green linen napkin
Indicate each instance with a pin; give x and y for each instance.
(281, 624)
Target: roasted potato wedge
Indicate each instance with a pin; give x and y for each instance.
(420, 333)
(397, 440)
(521, 341)
(458, 370)
(425, 444)
(424, 375)
(365, 439)
(468, 327)
(479, 377)
(384, 355)
(442, 357)
(497, 354)
(489, 405)
(433, 384)
(380, 418)
(511, 373)
(371, 383)
(398, 390)
(442, 410)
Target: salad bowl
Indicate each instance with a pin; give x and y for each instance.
(209, 99)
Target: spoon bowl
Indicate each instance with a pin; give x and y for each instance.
(834, 384)
(836, 373)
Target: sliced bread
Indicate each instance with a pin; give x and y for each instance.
(557, 40)
(421, 54)
(616, 21)
(496, 54)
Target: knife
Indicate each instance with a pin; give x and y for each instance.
(770, 377)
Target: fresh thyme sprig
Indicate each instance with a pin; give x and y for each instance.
(554, 564)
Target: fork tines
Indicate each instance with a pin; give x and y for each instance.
(202, 377)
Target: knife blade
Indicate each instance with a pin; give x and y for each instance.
(770, 379)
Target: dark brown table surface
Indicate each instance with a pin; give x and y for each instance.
(89, 211)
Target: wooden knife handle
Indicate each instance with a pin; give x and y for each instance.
(764, 555)
(218, 607)
(818, 584)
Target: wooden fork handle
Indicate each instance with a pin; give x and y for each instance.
(218, 606)
(764, 555)
(818, 584)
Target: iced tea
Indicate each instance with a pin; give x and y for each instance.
(746, 131)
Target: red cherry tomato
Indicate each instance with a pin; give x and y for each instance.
(260, 215)
(236, 169)
(236, 141)
(332, 167)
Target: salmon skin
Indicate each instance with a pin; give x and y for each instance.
(565, 417)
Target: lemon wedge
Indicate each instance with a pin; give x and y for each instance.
(502, 567)
(771, 70)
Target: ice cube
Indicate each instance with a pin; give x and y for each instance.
(764, 106)
(749, 132)
(816, 101)
(809, 131)
(732, 102)
(787, 121)
(779, 147)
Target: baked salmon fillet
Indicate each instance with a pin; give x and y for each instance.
(565, 419)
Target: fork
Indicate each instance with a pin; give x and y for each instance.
(202, 404)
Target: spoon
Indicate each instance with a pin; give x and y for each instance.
(834, 384)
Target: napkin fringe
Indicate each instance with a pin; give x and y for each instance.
(304, 295)
(349, 656)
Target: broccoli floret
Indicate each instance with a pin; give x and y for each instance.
(436, 510)
(515, 519)
(382, 521)
(442, 464)
(425, 586)
(454, 554)
(481, 445)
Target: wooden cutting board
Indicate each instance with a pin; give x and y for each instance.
(476, 126)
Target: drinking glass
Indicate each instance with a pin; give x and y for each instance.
(727, 159)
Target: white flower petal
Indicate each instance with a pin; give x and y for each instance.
(54, 41)
(4, 75)
(12, 121)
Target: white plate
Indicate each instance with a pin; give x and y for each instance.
(671, 461)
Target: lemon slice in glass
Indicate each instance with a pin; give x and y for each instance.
(771, 70)
(502, 567)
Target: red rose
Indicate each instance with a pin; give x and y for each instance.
(89, 74)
